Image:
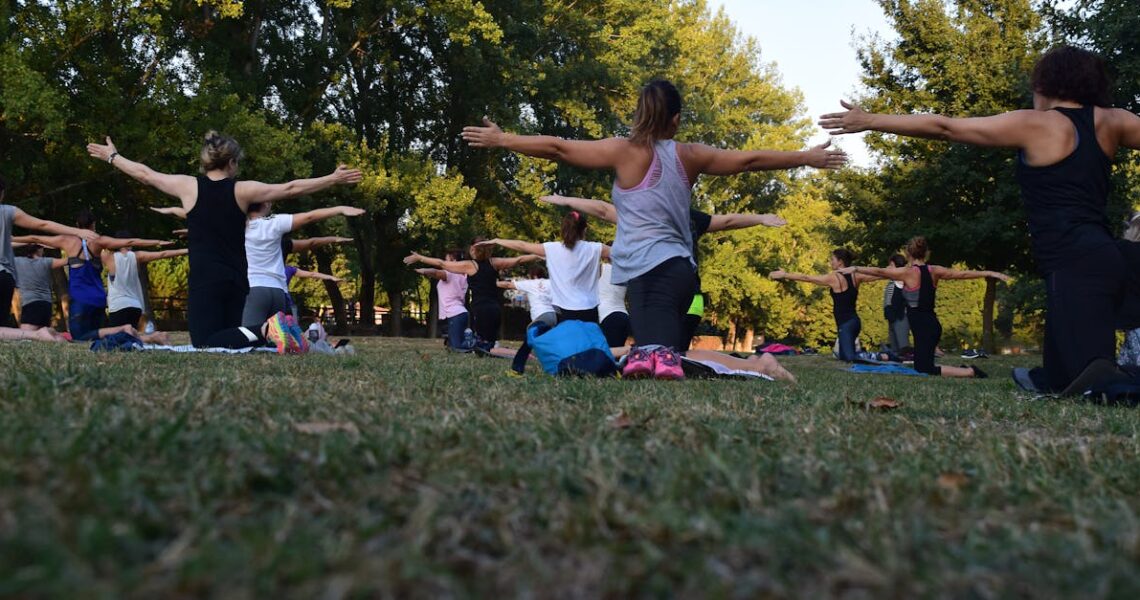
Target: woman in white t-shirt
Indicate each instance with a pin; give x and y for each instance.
(574, 265)
(612, 314)
(537, 290)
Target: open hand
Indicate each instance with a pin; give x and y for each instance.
(102, 152)
(412, 258)
(346, 176)
(487, 136)
(351, 211)
(772, 221)
(852, 120)
(822, 158)
(487, 242)
(1002, 277)
(847, 270)
(777, 275)
(554, 199)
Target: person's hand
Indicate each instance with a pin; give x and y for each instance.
(351, 211)
(487, 242)
(337, 280)
(554, 199)
(1002, 277)
(164, 243)
(487, 136)
(822, 158)
(413, 258)
(102, 152)
(341, 240)
(346, 176)
(852, 120)
(772, 221)
(88, 235)
(777, 275)
(181, 232)
(848, 270)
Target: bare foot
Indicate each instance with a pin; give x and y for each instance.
(45, 334)
(158, 337)
(768, 365)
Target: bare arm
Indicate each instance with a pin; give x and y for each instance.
(51, 241)
(743, 221)
(251, 192)
(595, 208)
(1015, 129)
(316, 242)
(317, 275)
(946, 273)
(59, 263)
(892, 273)
(1128, 124)
(173, 211)
(111, 243)
(145, 257)
(587, 154)
(23, 219)
(699, 158)
(305, 218)
(518, 246)
(825, 280)
(506, 285)
(462, 267)
(502, 264)
(183, 187)
(433, 273)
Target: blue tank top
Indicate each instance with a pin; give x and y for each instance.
(85, 280)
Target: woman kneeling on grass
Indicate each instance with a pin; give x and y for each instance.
(652, 191)
(216, 205)
(920, 282)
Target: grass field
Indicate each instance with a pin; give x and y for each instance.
(406, 472)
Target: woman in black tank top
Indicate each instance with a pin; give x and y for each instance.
(919, 288)
(1065, 145)
(844, 289)
(215, 205)
(482, 279)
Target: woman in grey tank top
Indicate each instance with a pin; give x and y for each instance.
(653, 179)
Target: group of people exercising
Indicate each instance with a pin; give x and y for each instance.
(1065, 146)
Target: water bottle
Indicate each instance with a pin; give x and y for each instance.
(314, 333)
(468, 338)
(149, 327)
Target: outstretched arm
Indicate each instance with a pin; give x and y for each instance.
(51, 241)
(587, 154)
(824, 280)
(946, 273)
(1013, 129)
(1128, 124)
(316, 242)
(174, 211)
(892, 273)
(317, 275)
(462, 267)
(183, 187)
(112, 243)
(23, 219)
(517, 246)
(305, 218)
(251, 192)
(145, 257)
(433, 273)
(506, 285)
(699, 158)
(502, 264)
(743, 221)
(595, 208)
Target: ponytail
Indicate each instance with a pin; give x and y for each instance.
(573, 229)
(657, 104)
(219, 151)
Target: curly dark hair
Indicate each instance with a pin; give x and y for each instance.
(1073, 74)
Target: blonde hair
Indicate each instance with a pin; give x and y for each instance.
(218, 151)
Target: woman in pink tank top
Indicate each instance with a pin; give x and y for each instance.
(652, 183)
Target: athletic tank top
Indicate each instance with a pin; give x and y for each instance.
(217, 235)
(844, 302)
(85, 280)
(921, 299)
(124, 290)
(483, 284)
(652, 218)
(1066, 202)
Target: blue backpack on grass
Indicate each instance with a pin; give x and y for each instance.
(569, 348)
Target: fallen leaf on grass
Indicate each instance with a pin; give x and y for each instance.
(953, 481)
(425, 357)
(883, 403)
(485, 378)
(320, 428)
(620, 420)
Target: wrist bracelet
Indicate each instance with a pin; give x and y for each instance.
(111, 159)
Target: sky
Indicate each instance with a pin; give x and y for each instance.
(812, 44)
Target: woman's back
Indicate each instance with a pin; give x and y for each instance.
(484, 283)
(217, 235)
(573, 274)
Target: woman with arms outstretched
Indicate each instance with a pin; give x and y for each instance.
(216, 205)
(1065, 147)
(482, 273)
(652, 190)
(844, 289)
(920, 282)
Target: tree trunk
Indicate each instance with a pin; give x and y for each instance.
(730, 340)
(324, 265)
(988, 341)
(749, 334)
(367, 296)
(396, 311)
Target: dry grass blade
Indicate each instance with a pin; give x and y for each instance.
(321, 428)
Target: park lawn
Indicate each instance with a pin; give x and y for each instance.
(405, 471)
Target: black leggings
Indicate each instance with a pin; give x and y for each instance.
(486, 318)
(926, 329)
(214, 307)
(589, 315)
(616, 329)
(7, 289)
(658, 302)
(124, 316)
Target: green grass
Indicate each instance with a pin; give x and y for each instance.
(187, 475)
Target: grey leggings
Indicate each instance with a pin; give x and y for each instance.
(262, 303)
